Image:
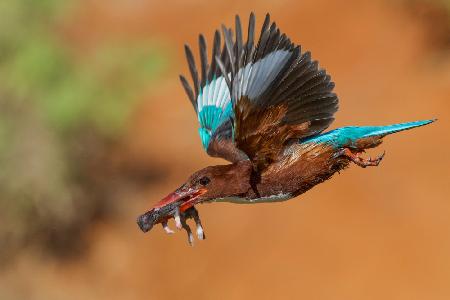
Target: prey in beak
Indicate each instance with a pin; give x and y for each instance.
(208, 184)
(180, 206)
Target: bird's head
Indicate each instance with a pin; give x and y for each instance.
(210, 183)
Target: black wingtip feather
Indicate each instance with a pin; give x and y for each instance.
(203, 58)
(227, 34)
(239, 42)
(224, 72)
(250, 39)
(188, 91)
(192, 68)
(262, 39)
(214, 71)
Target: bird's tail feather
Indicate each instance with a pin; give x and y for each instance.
(347, 136)
(369, 131)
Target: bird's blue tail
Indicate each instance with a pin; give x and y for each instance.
(343, 136)
(368, 131)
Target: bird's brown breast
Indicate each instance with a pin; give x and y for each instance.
(299, 168)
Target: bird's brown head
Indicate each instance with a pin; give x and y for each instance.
(205, 185)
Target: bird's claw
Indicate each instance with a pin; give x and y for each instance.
(363, 162)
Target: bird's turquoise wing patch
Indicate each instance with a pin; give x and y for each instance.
(214, 108)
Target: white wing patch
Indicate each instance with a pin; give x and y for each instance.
(215, 93)
(255, 78)
(252, 81)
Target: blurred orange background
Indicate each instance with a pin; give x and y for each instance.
(376, 233)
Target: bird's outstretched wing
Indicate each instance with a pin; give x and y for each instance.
(211, 99)
(277, 92)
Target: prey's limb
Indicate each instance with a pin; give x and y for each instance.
(177, 217)
(188, 230)
(193, 213)
(180, 218)
(166, 227)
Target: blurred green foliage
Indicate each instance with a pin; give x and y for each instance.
(51, 98)
(35, 64)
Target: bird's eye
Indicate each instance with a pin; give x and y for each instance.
(204, 181)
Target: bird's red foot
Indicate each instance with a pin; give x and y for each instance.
(360, 161)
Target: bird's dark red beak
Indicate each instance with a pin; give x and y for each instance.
(170, 206)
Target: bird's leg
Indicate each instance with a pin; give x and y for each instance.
(193, 213)
(360, 161)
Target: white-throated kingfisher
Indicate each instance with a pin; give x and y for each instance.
(263, 106)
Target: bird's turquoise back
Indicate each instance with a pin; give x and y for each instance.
(345, 136)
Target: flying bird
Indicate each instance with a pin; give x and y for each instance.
(262, 105)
